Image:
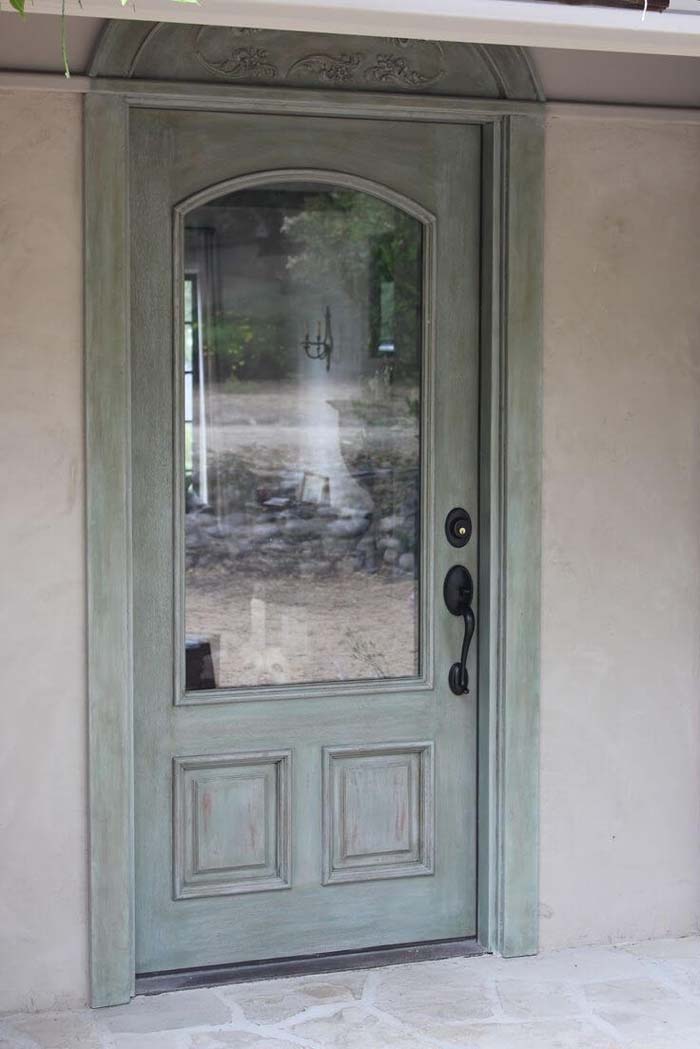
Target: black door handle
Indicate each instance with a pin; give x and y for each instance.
(458, 592)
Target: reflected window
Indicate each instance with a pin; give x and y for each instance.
(196, 481)
(302, 447)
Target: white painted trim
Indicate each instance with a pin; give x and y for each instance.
(529, 23)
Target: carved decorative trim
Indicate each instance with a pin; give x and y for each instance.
(242, 63)
(332, 67)
(337, 69)
(394, 69)
(189, 53)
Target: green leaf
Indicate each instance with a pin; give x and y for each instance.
(186, 2)
(64, 45)
(18, 5)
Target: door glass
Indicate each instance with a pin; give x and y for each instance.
(302, 448)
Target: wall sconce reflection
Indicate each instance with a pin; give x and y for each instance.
(320, 349)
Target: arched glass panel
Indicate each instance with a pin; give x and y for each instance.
(302, 315)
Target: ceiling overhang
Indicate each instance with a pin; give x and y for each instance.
(530, 23)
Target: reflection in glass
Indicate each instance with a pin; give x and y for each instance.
(302, 354)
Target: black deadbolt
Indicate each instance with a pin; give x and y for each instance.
(458, 527)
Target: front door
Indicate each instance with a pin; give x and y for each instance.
(305, 324)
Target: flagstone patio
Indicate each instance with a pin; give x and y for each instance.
(642, 996)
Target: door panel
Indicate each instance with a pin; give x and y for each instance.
(305, 778)
(378, 811)
(215, 797)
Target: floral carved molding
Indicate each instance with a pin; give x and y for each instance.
(240, 60)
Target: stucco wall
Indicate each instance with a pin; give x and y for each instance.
(43, 892)
(621, 695)
(621, 637)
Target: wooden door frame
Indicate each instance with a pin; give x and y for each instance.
(510, 496)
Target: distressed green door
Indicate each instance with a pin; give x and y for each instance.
(305, 331)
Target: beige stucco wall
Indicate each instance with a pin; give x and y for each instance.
(621, 680)
(621, 610)
(43, 953)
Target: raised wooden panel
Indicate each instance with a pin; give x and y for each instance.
(377, 811)
(231, 823)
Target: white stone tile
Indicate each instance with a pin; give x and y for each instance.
(572, 1034)
(523, 999)
(273, 1001)
(644, 996)
(239, 1040)
(10, 1039)
(655, 1019)
(637, 995)
(356, 1028)
(686, 948)
(582, 965)
(161, 1040)
(57, 1030)
(432, 991)
(166, 1012)
(683, 976)
(656, 1039)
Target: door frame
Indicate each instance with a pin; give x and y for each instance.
(509, 514)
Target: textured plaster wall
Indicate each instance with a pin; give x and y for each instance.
(621, 682)
(42, 666)
(621, 639)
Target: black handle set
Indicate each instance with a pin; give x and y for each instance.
(458, 592)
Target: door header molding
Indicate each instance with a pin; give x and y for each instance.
(223, 54)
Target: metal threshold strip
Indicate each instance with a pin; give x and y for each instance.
(275, 968)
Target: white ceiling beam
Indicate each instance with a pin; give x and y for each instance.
(531, 23)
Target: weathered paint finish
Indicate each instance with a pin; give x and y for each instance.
(378, 811)
(509, 568)
(192, 53)
(506, 903)
(107, 430)
(231, 823)
(518, 752)
(194, 152)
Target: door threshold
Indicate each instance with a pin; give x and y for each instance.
(306, 965)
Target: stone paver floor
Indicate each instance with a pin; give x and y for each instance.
(643, 996)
